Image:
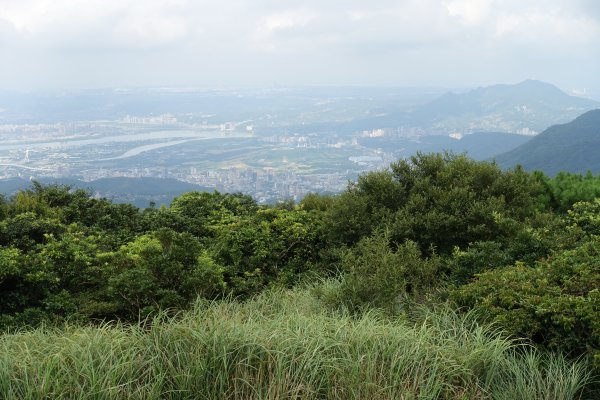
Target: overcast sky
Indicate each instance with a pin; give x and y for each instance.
(451, 43)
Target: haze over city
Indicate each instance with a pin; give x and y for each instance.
(56, 44)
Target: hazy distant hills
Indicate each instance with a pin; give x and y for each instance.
(572, 147)
(511, 108)
(507, 108)
(479, 146)
(266, 107)
(304, 131)
(484, 145)
(138, 191)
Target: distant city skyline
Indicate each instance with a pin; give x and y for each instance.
(54, 44)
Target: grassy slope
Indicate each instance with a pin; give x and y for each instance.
(280, 345)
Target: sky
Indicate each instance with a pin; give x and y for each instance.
(49, 44)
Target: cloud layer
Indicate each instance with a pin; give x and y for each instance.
(54, 43)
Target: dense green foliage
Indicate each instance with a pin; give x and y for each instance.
(565, 189)
(556, 303)
(68, 256)
(518, 250)
(375, 274)
(439, 201)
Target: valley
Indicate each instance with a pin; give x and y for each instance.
(271, 144)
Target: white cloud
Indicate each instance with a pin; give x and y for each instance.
(146, 23)
(148, 29)
(471, 12)
(547, 27)
(64, 23)
(287, 20)
(352, 41)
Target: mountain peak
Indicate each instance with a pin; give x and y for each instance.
(533, 84)
(530, 104)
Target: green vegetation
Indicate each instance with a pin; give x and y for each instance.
(555, 303)
(441, 278)
(439, 201)
(566, 189)
(282, 345)
(375, 275)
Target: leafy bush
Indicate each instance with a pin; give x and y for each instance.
(201, 211)
(437, 200)
(566, 189)
(463, 265)
(160, 270)
(527, 242)
(271, 245)
(51, 282)
(586, 216)
(27, 229)
(71, 277)
(377, 275)
(555, 304)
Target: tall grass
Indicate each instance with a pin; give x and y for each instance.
(281, 345)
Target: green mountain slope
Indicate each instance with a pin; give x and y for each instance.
(572, 147)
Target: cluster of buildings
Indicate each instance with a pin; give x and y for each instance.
(39, 155)
(267, 185)
(164, 119)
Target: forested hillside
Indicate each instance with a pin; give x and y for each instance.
(571, 147)
(470, 262)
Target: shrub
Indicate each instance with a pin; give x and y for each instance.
(555, 304)
(586, 216)
(477, 258)
(272, 245)
(437, 200)
(160, 270)
(377, 274)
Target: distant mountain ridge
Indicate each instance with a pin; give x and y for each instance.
(138, 191)
(530, 105)
(526, 107)
(571, 147)
(479, 145)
